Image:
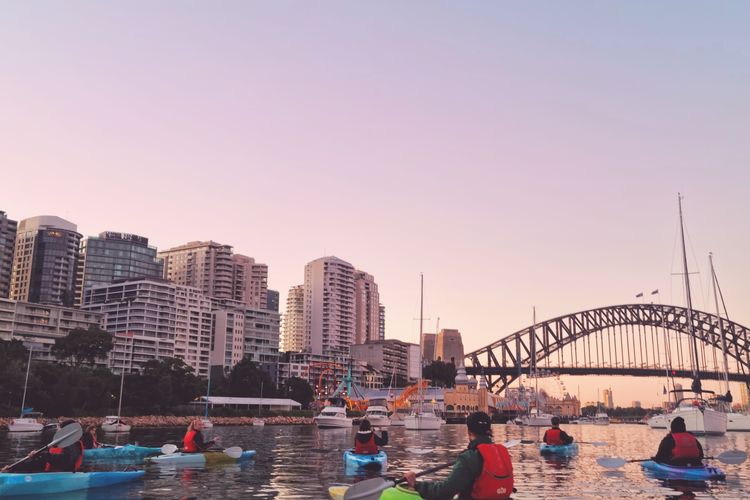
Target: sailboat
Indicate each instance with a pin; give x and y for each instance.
(259, 421)
(601, 417)
(113, 423)
(29, 422)
(421, 419)
(535, 417)
(699, 417)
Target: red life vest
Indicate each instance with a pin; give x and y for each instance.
(48, 467)
(188, 442)
(552, 436)
(495, 482)
(685, 446)
(367, 448)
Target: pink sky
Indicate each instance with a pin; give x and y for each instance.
(517, 155)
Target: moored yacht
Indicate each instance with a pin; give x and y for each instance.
(333, 415)
(423, 419)
(657, 422)
(738, 422)
(25, 424)
(601, 418)
(536, 418)
(700, 419)
(378, 416)
(113, 423)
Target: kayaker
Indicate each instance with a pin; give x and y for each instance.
(556, 436)
(89, 438)
(366, 442)
(193, 440)
(484, 470)
(679, 447)
(54, 459)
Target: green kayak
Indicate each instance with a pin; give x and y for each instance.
(398, 492)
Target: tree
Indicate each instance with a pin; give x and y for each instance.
(83, 346)
(299, 390)
(441, 373)
(246, 378)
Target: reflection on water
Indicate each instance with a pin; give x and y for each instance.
(299, 462)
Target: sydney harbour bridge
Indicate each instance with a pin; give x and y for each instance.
(644, 340)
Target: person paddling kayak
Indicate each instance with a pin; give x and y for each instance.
(484, 470)
(679, 447)
(556, 436)
(55, 459)
(366, 442)
(89, 438)
(193, 440)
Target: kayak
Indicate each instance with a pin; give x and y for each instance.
(562, 450)
(398, 492)
(701, 473)
(207, 458)
(42, 483)
(354, 461)
(115, 452)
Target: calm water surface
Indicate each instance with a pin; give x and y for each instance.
(301, 461)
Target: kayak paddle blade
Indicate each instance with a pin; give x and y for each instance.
(512, 442)
(67, 435)
(732, 457)
(596, 443)
(611, 462)
(368, 489)
(168, 449)
(233, 452)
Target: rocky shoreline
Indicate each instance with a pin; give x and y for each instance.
(171, 421)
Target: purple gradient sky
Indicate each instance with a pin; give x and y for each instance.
(517, 154)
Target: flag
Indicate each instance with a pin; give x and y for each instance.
(638, 296)
(664, 389)
(655, 292)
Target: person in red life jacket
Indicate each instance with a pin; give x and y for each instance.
(556, 436)
(54, 459)
(89, 438)
(193, 440)
(366, 442)
(679, 447)
(484, 471)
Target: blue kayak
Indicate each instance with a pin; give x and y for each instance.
(207, 458)
(43, 483)
(354, 461)
(562, 450)
(130, 451)
(701, 473)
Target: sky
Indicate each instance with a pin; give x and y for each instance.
(519, 154)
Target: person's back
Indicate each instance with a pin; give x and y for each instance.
(679, 447)
(555, 436)
(366, 442)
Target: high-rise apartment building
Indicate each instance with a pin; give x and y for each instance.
(329, 307)
(45, 261)
(391, 357)
(227, 344)
(273, 300)
(250, 282)
(113, 257)
(293, 333)
(608, 400)
(154, 319)
(205, 265)
(449, 347)
(429, 341)
(381, 322)
(7, 244)
(366, 308)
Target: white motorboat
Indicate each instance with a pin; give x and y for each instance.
(258, 422)
(535, 418)
(25, 424)
(423, 420)
(582, 421)
(699, 418)
(601, 418)
(657, 422)
(378, 416)
(738, 422)
(207, 424)
(333, 417)
(113, 423)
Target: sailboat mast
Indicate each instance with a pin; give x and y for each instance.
(536, 375)
(421, 325)
(26, 383)
(694, 344)
(714, 279)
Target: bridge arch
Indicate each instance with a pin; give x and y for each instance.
(593, 342)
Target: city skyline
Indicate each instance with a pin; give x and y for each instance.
(530, 158)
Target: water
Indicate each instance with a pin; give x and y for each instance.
(299, 462)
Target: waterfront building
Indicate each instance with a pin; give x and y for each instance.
(205, 265)
(381, 322)
(273, 300)
(41, 325)
(635, 404)
(7, 244)
(429, 341)
(567, 406)
(293, 335)
(366, 308)
(608, 400)
(45, 261)
(466, 397)
(228, 342)
(415, 369)
(154, 319)
(250, 282)
(448, 346)
(113, 257)
(252, 333)
(329, 306)
(390, 357)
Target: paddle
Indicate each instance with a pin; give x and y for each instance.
(169, 449)
(731, 457)
(370, 489)
(63, 438)
(592, 443)
(233, 452)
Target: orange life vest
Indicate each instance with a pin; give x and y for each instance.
(188, 442)
(552, 436)
(495, 482)
(48, 467)
(367, 448)
(685, 446)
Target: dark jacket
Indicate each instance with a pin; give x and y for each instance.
(467, 468)
(664, 455)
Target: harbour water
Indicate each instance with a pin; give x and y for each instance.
(299, 462)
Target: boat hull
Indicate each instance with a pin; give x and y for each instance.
(738, 422)
(115, 428)
(354, 462)
(536, 421)
(700, 421)
(663, 471)
(208, 458)
(24, 426)
(333, 422)
(657, 422)
(45, 483)
(562, 450)
(424, 422)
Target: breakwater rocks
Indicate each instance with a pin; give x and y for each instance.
(171, 421)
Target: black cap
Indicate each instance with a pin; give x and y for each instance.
(479, 423)
(555, 421)
(678, 425)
